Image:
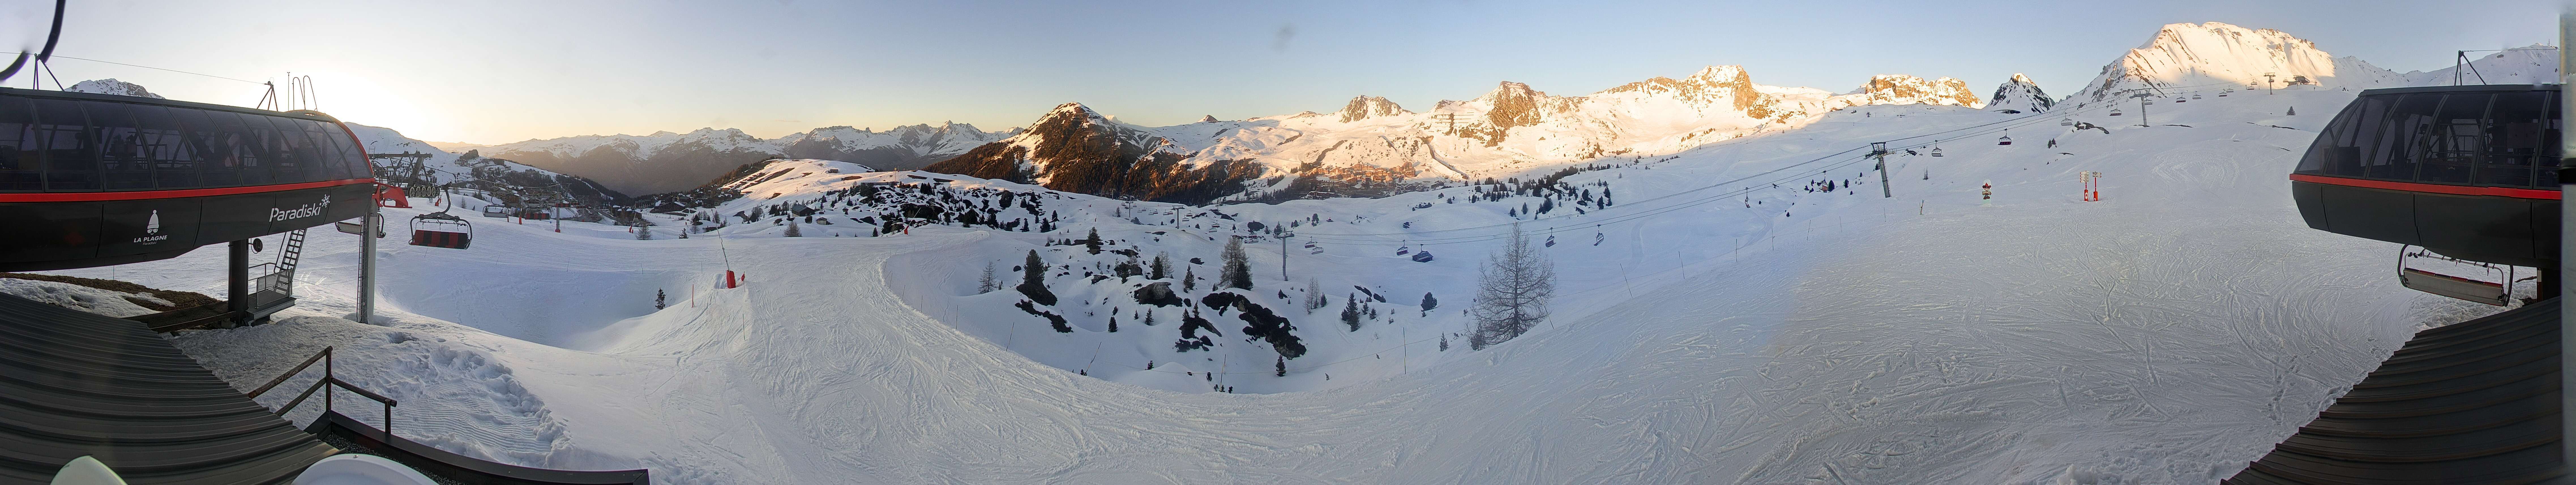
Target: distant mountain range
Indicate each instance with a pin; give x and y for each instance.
(1371, 146)
(666, 161)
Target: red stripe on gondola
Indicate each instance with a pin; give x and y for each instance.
(2518, 193)
(173, 194)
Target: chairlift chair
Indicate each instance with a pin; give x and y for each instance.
(1936, 151)
(2003, 141)
(2195, 96)
(2066, 122)
(441, 230)
(1422, 257)
(2496, 292)
(1403, 250)
(1551, 241)
(2115, 111)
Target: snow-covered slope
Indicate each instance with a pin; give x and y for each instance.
(666, 161)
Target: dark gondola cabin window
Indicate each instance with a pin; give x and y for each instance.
(21, 168)
(199, 147)
(2458, 136)
(164, 147)
(2547, 163)
(250, 152)
(71, 149)
(2516, 125)
(2403, 135)
(120, 153)
(2338, 150)
(288, 158)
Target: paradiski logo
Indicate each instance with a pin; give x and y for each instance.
(307, 210)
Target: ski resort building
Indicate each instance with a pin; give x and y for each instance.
(94, 180)
(2466, 179)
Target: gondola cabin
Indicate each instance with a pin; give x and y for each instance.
(95, 179)
(2466, 172)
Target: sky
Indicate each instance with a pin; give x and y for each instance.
(499, 72)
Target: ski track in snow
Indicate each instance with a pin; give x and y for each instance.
(2166, 335)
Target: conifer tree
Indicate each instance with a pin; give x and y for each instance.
(1237, 272)
(1351, 312)
(1189, 279)
(986, 284)
(792, 230)
(660, 299)
(1282, 365)
(1092, 243)
(1033, 280)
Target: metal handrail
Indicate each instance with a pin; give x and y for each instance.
(327, 379)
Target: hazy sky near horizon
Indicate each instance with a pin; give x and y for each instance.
(498, 72)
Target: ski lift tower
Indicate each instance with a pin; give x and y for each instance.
(2142, 106)
(1879, 150)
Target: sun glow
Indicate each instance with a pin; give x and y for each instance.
(356, 98)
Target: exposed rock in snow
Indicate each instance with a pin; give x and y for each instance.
(1907, 89)
(112, 86)
(2020, 94)
(1364, 107)
(1075, 149)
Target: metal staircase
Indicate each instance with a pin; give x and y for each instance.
(288, 254)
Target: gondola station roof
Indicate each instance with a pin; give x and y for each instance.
(93, 179)
(2469, 172)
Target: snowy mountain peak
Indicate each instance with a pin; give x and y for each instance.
(1908, 89)
(1513, 104)
(2189, 56)
(1364, 107)
(112, 86)
(2020, 94)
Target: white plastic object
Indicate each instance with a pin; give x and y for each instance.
(357, 469)
(86, 471)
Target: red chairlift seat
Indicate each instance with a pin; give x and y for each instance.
(441, 230)
(391, 196)
(2003, 141)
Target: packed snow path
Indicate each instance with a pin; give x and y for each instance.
(2166, 335)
